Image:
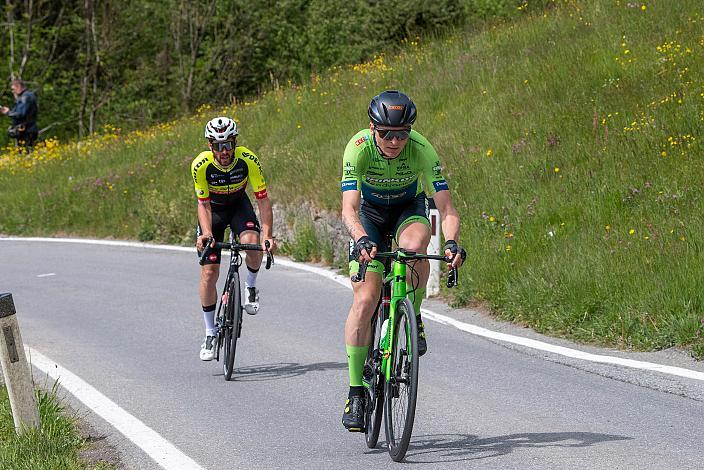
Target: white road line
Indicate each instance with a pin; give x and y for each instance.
(46, 275)
(568, 352)
(430, 315)
(162, 451)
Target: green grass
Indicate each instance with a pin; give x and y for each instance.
(570, 138)
(55, 445)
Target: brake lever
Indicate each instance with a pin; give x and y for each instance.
(269, 255)
(452, 278)
(359, 276)
(206, 251)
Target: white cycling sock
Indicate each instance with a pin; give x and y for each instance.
(209, 320)
(251, 280)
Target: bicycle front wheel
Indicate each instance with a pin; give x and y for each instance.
(401, 390)
(375, 383)
(232, 325)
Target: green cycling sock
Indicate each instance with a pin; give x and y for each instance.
(416, 297)
(356, 355)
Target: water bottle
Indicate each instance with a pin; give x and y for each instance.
(382, 339)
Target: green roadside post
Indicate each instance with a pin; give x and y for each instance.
(15, 368)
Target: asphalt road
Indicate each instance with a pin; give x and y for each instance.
(128, 322)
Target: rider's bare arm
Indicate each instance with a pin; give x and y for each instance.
(205, 220)
(350, 216)
(450, 221)
(267, 215)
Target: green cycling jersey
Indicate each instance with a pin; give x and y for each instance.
(393, 182)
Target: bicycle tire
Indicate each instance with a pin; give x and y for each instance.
(233, 323)
(374, 410)
(401, 391)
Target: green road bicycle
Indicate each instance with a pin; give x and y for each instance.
(228, 318)
(391, 369)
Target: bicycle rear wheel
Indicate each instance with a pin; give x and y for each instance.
(401, 390)
(233, 323)
(375, 391)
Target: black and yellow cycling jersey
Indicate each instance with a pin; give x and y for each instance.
(222, 186)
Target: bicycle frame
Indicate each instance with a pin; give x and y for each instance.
(235, 263)
(397, 280)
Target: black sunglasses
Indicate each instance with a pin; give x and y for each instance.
(220, 146)
(388, 134)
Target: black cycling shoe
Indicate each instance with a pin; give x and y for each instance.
(422, 343)
(353, 417)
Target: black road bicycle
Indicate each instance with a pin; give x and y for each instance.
(228, 318)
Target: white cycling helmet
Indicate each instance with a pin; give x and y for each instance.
(221, 129)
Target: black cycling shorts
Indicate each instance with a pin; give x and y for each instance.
(239, 216)
(379, 222)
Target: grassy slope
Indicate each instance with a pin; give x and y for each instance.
(570, 138)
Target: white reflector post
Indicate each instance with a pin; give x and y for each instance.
(15, 369)
(433, 287)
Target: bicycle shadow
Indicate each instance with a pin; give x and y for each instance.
(282, 370)
(444, 448)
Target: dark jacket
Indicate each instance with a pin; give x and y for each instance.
(25, 112)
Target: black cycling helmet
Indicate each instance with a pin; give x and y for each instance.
(392, 108)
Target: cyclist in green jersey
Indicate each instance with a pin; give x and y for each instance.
(387, 172)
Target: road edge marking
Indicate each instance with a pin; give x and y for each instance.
(163, 452)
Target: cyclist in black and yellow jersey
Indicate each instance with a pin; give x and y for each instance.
(220, 176)
(388, 170)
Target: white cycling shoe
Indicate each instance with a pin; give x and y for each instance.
(251, 305)
(207, 349)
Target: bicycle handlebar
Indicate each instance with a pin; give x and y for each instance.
(237, 247)
(452, 277)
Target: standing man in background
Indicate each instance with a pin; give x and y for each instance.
(24, 116)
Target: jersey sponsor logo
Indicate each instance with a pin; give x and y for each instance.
(389, 196)
(347, 185)
(198, 165)
(260, 194)
(361, 140)
(440, 185)
(254, 159)
(396, 107)
(349, 169)
(390, 180)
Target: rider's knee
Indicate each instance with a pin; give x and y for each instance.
(249, 236)
(417, 245)
(209, 274)
(364, 304)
